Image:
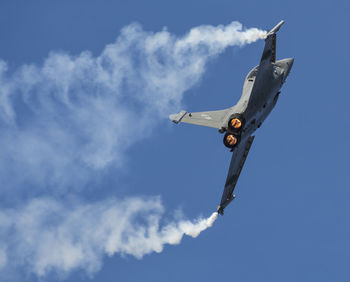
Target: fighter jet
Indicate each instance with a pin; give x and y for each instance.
(261, 90)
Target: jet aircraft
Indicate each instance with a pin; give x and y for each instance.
(261, 90)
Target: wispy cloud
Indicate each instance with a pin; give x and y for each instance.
(75, 115)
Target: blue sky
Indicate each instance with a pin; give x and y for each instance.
(75, 157)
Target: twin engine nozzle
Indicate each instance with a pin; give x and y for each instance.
(234, 128)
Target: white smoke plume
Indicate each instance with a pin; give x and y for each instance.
(65, 121)
(76, 114)
(50, 237)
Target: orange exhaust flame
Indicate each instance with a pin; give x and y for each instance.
(231, 140)
(236, 123)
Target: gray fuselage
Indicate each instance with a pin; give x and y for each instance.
(260, 93)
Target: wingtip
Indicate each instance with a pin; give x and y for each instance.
(278, 26)
(220, 210)
(176, 118)
(172, 117)
(275, 29)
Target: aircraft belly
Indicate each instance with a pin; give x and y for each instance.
(259, 116)
(261, 95)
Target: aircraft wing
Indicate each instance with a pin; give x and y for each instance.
(211, 119)
(269, 53)
(239, 155)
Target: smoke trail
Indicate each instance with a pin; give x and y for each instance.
(194, 229)
(49, 236)
(67, 120)
(74, 115)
